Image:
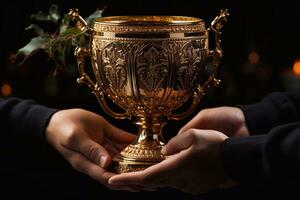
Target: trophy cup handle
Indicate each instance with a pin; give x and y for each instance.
(197, 96)
(80, 54)
(81, 24)
(215, 55)
(216, 26)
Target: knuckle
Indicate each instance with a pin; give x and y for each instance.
(203, 113)
(71, 137)
(190, 137)
(192, 133)
(93, 153)
(101, 119)
(187, 131)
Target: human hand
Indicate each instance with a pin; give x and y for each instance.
(193, 164)
(228, 120)
(88, 142)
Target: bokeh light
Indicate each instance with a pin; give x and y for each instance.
(253, 58)
(296, 67)
(6, 90)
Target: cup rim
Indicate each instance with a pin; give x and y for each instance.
(156, 20)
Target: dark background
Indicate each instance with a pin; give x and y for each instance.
(268, 30)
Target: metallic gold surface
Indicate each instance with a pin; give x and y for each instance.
(149, 66)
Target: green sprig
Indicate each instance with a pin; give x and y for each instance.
(58, 45)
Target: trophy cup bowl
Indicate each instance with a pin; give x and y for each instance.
(149, 66)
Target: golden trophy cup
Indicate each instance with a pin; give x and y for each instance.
(149, 66)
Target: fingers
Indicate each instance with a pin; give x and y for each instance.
(134, 178)
(117, 134)
(179, 143)
(96, 123)
(89, 148)
(159, 175)
(84, 165)
(197, 122)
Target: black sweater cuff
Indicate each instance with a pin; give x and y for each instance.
(242, 159)
(37, 120)
(274, 110)
(24, 118)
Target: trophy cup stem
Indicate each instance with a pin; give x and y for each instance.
(146, 149)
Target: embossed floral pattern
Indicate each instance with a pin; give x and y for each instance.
(152, 69)
(153, 77)
(114, 65)
(190, 63)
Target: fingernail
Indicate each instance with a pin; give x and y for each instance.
(113, 182)
(103, 160)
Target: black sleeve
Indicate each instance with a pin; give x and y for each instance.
(272, 154)
(23, 118)
(273, 158)
(274, 110)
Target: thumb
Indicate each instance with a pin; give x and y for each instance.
(90, 149)
(179, 143)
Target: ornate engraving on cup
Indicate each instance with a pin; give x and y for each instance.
(152, 70)
(114, 66)
(190, 65)
(150, 66)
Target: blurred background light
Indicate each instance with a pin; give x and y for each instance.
(296, 67)
(6, 90)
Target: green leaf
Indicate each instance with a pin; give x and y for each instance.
(71, 31)
(65, 23)
(37, 29)
(90, 20)
(35, 44)
(40, 16)
(54, 13)
(66, 49)
(59, 45)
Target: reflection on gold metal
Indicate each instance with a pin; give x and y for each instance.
(296, 67)
(149, 66)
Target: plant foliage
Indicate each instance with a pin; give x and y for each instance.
(58, 45)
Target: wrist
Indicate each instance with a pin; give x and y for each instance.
(243, 129)
(227, 181)
(51, 127)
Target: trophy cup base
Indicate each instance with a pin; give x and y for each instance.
(145, 150)
(122, 165)
(137, 157)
